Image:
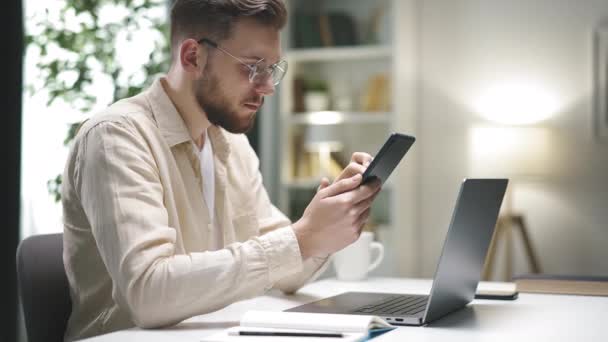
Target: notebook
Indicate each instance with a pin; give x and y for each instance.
(458, 271)
(261, 325)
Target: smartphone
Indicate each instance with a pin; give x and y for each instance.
(389, 156)
(497, 291)
(497, 296)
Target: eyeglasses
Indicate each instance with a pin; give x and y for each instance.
(258, 72)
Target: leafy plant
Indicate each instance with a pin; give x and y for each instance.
(316, 85)
(84, 45)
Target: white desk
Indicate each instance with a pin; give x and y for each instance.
(532, 317)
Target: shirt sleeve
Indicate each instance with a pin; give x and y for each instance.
(271, 219)
(119, 186)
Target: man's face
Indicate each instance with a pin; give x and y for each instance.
(224, 91)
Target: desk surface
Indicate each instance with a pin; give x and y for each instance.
(530, 317)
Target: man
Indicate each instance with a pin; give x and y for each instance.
(165, 214)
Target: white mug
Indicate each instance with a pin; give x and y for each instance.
(354, 261)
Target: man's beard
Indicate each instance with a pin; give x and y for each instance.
(216, 106)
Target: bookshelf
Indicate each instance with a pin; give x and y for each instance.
(339, 53)
(361, 81)
(338, 117)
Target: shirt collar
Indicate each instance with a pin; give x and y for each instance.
(221, 147)
(172, 125)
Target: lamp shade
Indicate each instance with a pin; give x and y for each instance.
(510, 151)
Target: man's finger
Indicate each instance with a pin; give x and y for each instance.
(361, 158)
(367, 193)
(354, 168)
(359, 194)
(341, 186)
(351, 169)
(324, 184)
(364, 205)
(362, 220)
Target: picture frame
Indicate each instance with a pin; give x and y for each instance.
(600, 93)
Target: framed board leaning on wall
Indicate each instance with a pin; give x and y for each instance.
(600, 79)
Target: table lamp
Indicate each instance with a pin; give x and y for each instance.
(522, 154)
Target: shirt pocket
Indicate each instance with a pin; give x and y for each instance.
(245, 226)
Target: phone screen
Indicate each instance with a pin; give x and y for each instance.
(389, 156)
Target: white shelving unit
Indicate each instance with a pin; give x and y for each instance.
(343, 53)
(338, 117)
(350, 67)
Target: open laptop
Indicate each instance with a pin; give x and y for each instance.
(458, 271)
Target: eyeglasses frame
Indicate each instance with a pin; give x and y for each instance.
(253, 68)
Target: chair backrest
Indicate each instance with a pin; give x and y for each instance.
(44, 288)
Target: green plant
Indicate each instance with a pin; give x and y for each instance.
(316, 85)
(84, 45)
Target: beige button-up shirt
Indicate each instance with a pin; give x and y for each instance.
(136, 226)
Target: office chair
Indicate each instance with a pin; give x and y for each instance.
(44, 288)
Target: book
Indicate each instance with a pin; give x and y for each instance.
(303, 327)
(306, 31)
(562, 284)
(314, 30)
(376, 97)
(325, 30)
(343, 29)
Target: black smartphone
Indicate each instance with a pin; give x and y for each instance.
(498, 296)
(389, 156)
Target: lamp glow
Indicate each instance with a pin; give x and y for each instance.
(516, 104)
(325, 118)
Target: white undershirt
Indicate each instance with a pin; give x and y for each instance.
(208, 174)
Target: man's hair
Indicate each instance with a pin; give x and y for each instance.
(214, 19)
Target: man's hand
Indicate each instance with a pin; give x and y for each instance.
(335, 216)
(359, 161)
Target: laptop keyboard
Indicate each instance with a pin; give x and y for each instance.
(396, 305)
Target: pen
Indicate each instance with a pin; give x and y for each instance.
(287, 333)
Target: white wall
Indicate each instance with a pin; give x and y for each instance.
(467, 46)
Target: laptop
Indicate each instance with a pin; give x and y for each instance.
(458, 271)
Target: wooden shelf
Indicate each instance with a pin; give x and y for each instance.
(320, 54)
